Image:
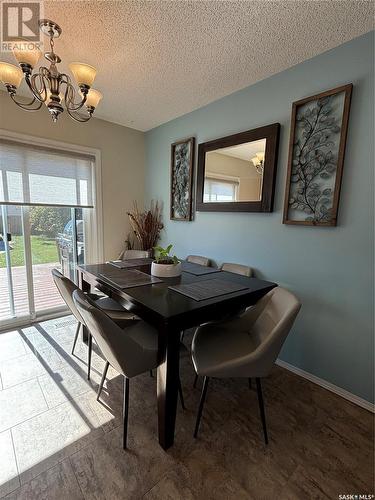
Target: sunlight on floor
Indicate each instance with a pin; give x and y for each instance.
(48, 408)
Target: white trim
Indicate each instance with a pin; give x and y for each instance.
(96, 229)
(26, 320)
(95, 241)
(26, 236)
(327, 385)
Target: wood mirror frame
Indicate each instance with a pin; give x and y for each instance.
(271, 134)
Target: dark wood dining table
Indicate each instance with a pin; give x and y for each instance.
(171, 313)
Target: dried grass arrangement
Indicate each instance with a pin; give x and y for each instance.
(146, 224)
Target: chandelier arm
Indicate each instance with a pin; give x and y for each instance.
(43, 89)
(26, 106)
(77, 117)
(34, 91)
(70, 94)
(70, 103)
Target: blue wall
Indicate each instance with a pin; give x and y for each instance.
(330, 269)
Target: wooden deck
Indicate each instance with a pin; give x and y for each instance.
(46, 295)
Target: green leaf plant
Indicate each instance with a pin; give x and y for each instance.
(162, 255)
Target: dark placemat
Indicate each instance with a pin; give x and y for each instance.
(207, 289)
(127, 279)
(123, 264)
(197, 269)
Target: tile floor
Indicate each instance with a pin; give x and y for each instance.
(57, 442)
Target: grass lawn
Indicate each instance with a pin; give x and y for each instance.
(43, 250)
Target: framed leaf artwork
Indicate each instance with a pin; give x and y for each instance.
(316, 157)
(182, 162)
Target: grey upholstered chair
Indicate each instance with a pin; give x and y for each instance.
(237, 269)
(121, 316)
(131, 351)
(135, 254)
(246, 346)
(198, 259)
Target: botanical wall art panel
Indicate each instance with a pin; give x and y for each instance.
(316, 156)
(182, 161)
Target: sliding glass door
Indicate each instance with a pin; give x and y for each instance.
(13, 279)
(33, 241)
(47, 217)
(53, 245)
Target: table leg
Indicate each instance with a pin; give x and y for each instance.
(85, 287)
(167, 385)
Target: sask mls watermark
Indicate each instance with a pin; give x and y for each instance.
(356, 496)
(19, 24)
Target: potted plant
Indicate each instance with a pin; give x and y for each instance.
(146, 225)
(165, 265)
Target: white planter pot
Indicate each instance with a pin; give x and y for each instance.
(166, 270)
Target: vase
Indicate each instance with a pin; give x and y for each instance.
(166, 270)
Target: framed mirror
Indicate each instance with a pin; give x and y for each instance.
(237, 173)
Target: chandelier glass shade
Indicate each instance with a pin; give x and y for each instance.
(258, 162)
(47, 85)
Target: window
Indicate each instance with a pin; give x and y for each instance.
(47, 219)
(33, 175)
(220, 190)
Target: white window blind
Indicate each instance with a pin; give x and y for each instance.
(36, 175)
(220, 190)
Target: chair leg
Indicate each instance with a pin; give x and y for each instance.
(102, 380)
(195, 381)
(89, 356)
(249, 383)
(76, 337)
(182, 333)
(125, 411)
(261, 409)
(201, 403)
(181, 394)
(151, 374)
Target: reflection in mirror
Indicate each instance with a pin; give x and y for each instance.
(235, 173)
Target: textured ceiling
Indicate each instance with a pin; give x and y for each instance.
(157, 60)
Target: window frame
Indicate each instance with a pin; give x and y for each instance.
(235, 183)
(95, 242)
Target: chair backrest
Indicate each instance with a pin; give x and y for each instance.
(120, 350)
(198, 259)
(237, 269)
(270, 322)
(136, 254)
(66, 288)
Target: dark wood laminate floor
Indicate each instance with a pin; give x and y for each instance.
(57, 442)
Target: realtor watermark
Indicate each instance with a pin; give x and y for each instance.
(20, 25)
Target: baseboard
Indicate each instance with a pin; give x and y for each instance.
(327, 385)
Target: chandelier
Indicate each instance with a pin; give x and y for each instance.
(47, 85)
(258, 162)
